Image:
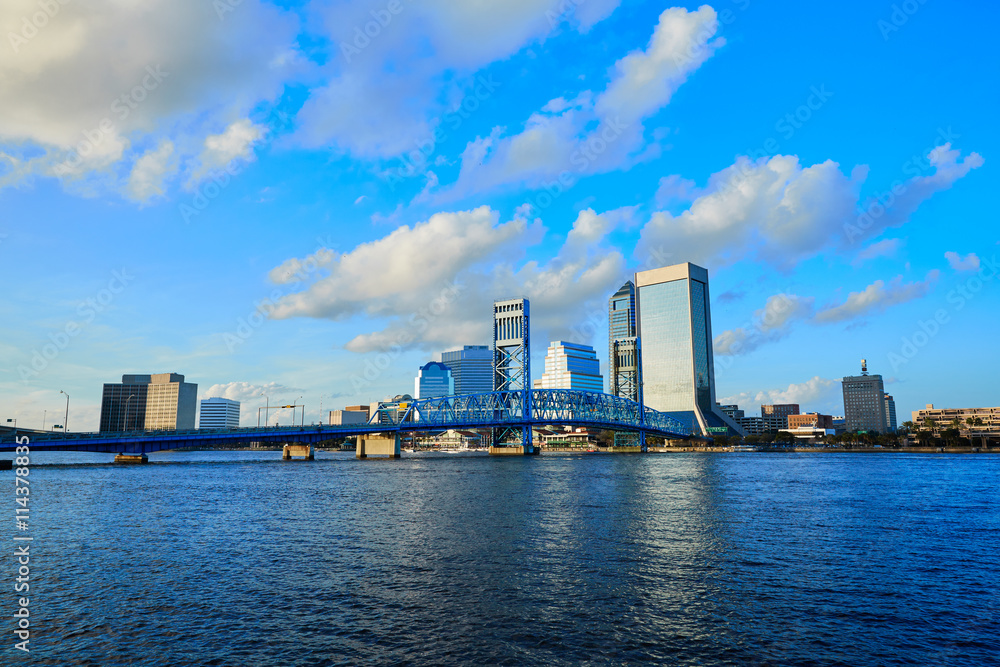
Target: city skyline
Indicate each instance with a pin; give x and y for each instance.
(263, 239)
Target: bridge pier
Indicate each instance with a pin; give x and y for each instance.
(306, 451)
(131, 458)
(378, 447)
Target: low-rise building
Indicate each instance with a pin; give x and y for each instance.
(810, 419)
(345, 417)
(988, 423)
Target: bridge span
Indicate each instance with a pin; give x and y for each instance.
(510, 415)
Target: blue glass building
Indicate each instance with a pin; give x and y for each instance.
(433, 379)
(675, 327)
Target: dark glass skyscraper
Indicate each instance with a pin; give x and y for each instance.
(623, 346)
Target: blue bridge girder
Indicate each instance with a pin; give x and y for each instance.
(499, 409)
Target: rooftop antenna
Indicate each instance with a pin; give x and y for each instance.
(864, 367)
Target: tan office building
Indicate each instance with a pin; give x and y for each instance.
(943, 418)
(811, 419)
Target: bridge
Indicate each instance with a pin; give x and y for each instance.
(511, 415)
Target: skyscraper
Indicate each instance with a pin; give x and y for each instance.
(571, 366)
(471, 367)
(864, 402)
(219, 413)
(624, 364)
(162, 401)
(675, 328)
(433, 379)
(890, 413)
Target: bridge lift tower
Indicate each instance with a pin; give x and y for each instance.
(512, 366)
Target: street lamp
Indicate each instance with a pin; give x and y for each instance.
(15, 426)
(65, 423)
(267, 409)
(45, 413)
(295, 405)
(125, 425)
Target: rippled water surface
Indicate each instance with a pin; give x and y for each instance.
(238, 558)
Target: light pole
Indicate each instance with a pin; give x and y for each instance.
(45, 413)
(65, 423)
(15, 426)
(125, 425)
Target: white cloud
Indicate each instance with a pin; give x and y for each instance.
(877, 297)
(150, 170)
(884, 248)
(104, 76)
(384, 90)
(235, 143)
(253, 396)
(968, 263)
(769, 324)
(432, 285)
(774, 210)
(815, 395)
(595, 133)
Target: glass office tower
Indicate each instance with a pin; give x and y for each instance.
(675, 327)
(623, 346)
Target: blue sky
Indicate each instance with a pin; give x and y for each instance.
(270, 201)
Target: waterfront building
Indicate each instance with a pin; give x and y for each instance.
(988, 423)
(732, 411)
(864, 402)
(160, 401)
(434, 379)
(776, 416)
(674, 324)
(890, 413)
(348, 416)
(219, 413)
(571, 366)
(752, 425)
(810, 420)
(471, 368)
(624, 353)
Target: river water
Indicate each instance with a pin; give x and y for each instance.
(238, 558)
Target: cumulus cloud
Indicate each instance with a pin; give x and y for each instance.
(775, 210)
(968, 263)
(593, 133)
(814, 395)
(102, 81)
(150, 170)
(884, 248)
(769, 324)
(253, 396)
(432, 285)
(235, 143)
(385, 88)
(877, 297)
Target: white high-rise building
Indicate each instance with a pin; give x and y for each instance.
(219, 413)
(571, 366)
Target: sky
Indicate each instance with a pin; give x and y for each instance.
(305, 202)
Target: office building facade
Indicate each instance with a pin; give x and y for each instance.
(810, 420)
(161, 401)
(674, 325)
(890, 413)
(986, 421)
(433, 380)
(864, 402)
(571, 366)
(219, 413)
(776, 416)
(471, 368)
(624, 352)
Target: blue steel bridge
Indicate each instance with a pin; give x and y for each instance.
(512, 414)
